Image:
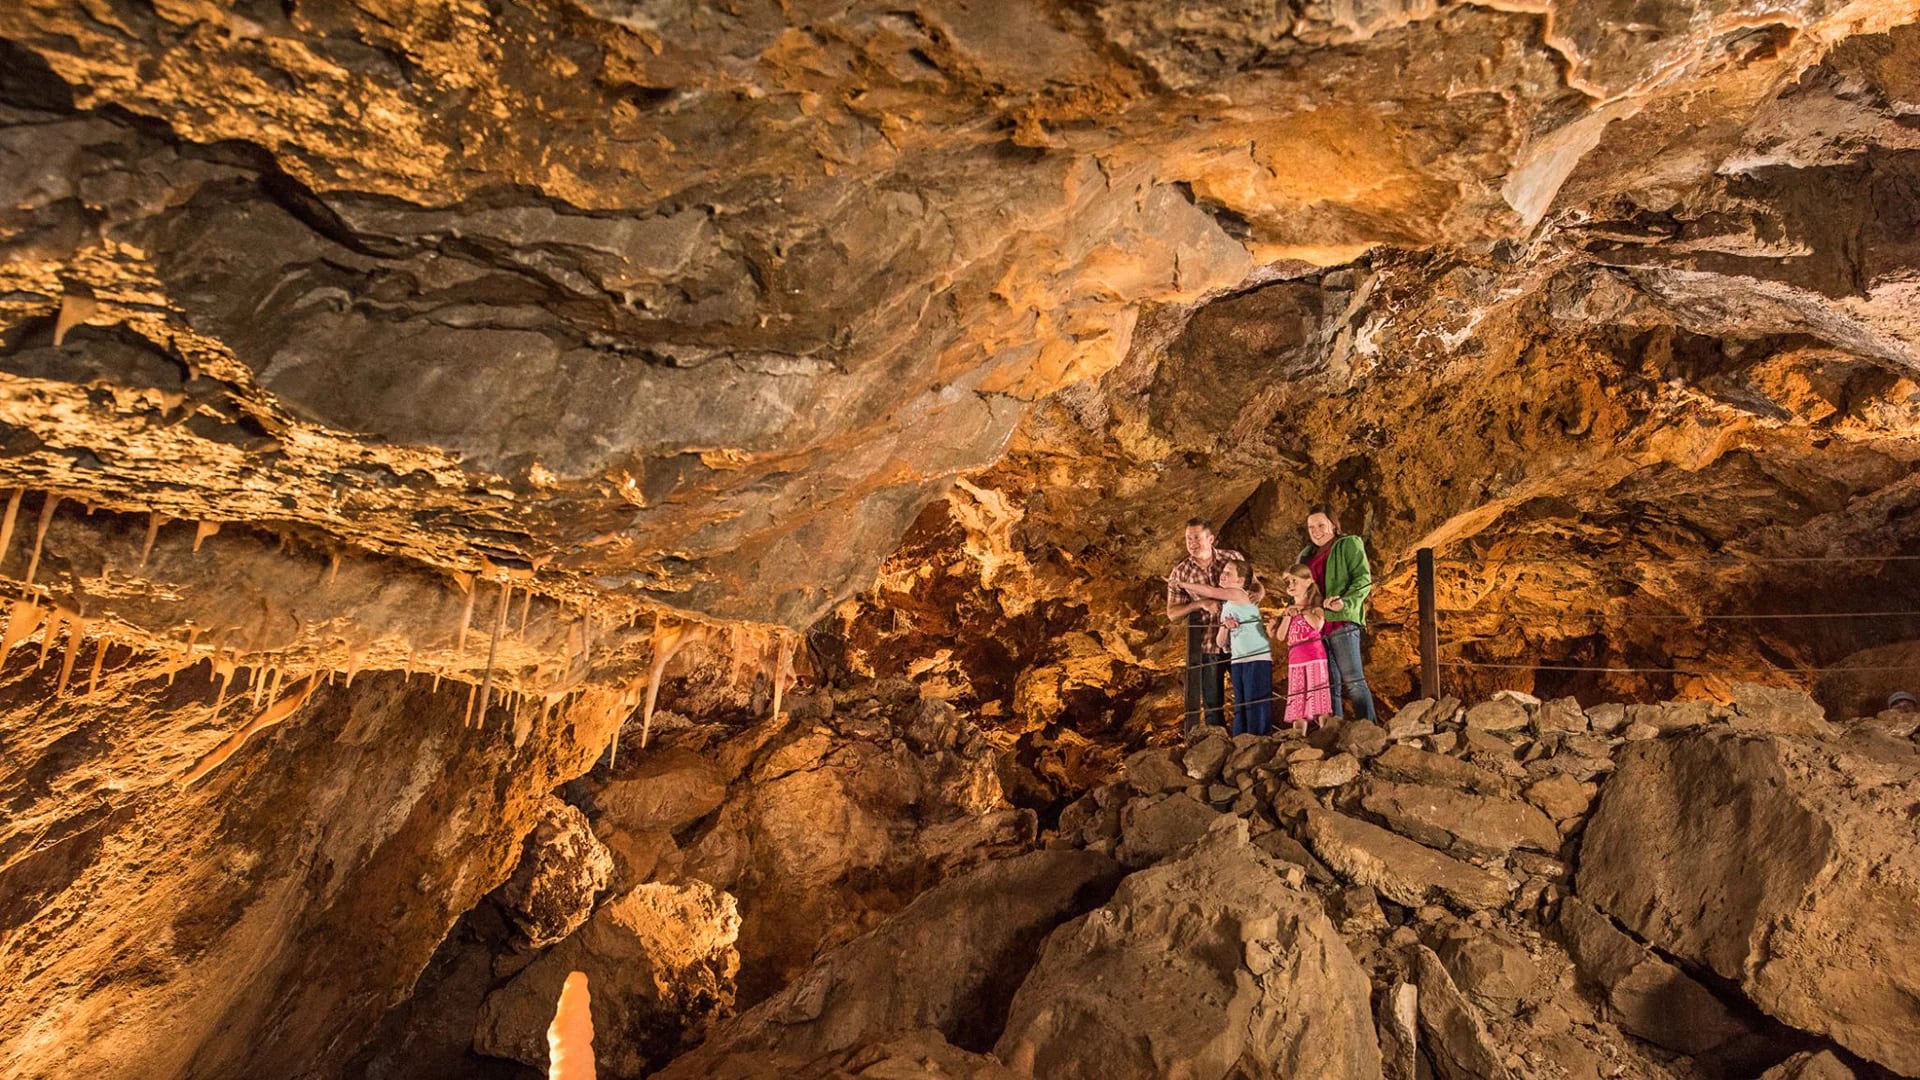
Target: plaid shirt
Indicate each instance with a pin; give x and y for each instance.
(1191, 571)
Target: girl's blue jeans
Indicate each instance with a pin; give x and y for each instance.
(1253, 684)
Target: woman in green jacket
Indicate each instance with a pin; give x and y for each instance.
(1339, 565)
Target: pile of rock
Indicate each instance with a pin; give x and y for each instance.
(1516, 889)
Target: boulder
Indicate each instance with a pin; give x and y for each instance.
(1608, 718)
(1421, 717)
(950, 962)
(1561, 796)
(1492, 968)
(562, 868)
(1498, 714)
(1326, 773)
(1205, 966)
(661, 963)
(1151, 830)
(1362, 738)
(1645, 995)
(1154, 770)
(1562, 714)
(666, 788)
(1205, 756)
(1785, 865)
(1405, 872)
(1775, 710)
(1249, 753)
(1665, 716)
(1416, 766)
(1442, 817)
(1456, 1035)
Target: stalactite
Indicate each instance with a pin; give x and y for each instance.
(747, 644)
(493, 648)
(75, 309)
(7, 523)
(667, 643)
(275, 713)
(21, 623)
(333, 568)
(466, 613)
(76, 634)
(355, 657)
(473, 694)
(225, 674)
(526, 608)
(201, 531)
(47, 635)
(154, 521)
(40, 534)
(437, 672)
(99, 659)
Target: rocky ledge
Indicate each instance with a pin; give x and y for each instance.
(1517, 889)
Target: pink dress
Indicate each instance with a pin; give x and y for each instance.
(1308, 694)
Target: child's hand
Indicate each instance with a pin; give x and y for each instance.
(1230, 622)
(1335, 604)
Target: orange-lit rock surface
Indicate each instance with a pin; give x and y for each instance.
(401, 406)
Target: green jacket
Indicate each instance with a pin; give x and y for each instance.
(1348, 577)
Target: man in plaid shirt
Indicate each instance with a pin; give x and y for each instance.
(1206, 668)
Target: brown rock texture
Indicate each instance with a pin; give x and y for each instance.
(1206, 965)
(609, 366)
(1778, 863)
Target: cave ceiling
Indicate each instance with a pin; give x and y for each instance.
(647, 306)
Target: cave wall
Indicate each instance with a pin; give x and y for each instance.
(504, 342)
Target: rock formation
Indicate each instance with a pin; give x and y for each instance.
(761, 428)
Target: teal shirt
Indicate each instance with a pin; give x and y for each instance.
(1249, 639)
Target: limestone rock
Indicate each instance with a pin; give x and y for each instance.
(1206, 966)
(1563, 714)
(1416, 766)
(1421, 718)
(1327, 773)
(950, 961)
(1151, 830)
(1561, 796)
(1204, 757)
(1646, 995)
(1782, 864)
(1775, 711)
(1456, 1034)
(1607, 718)
(1362, 739)
(660, 960)
(1472, 824)
(1668, 716)
(1492, 968)
(1154, 770)
(667, 788)
(1402, 871)
(562, 869)
(1498, 714)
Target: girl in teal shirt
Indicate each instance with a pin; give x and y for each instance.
(1244, 635)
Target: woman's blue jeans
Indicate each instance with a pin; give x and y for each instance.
(1345, 674)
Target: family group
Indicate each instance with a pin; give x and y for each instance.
(1218, 594)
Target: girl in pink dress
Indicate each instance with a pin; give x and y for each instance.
(1309, 698)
